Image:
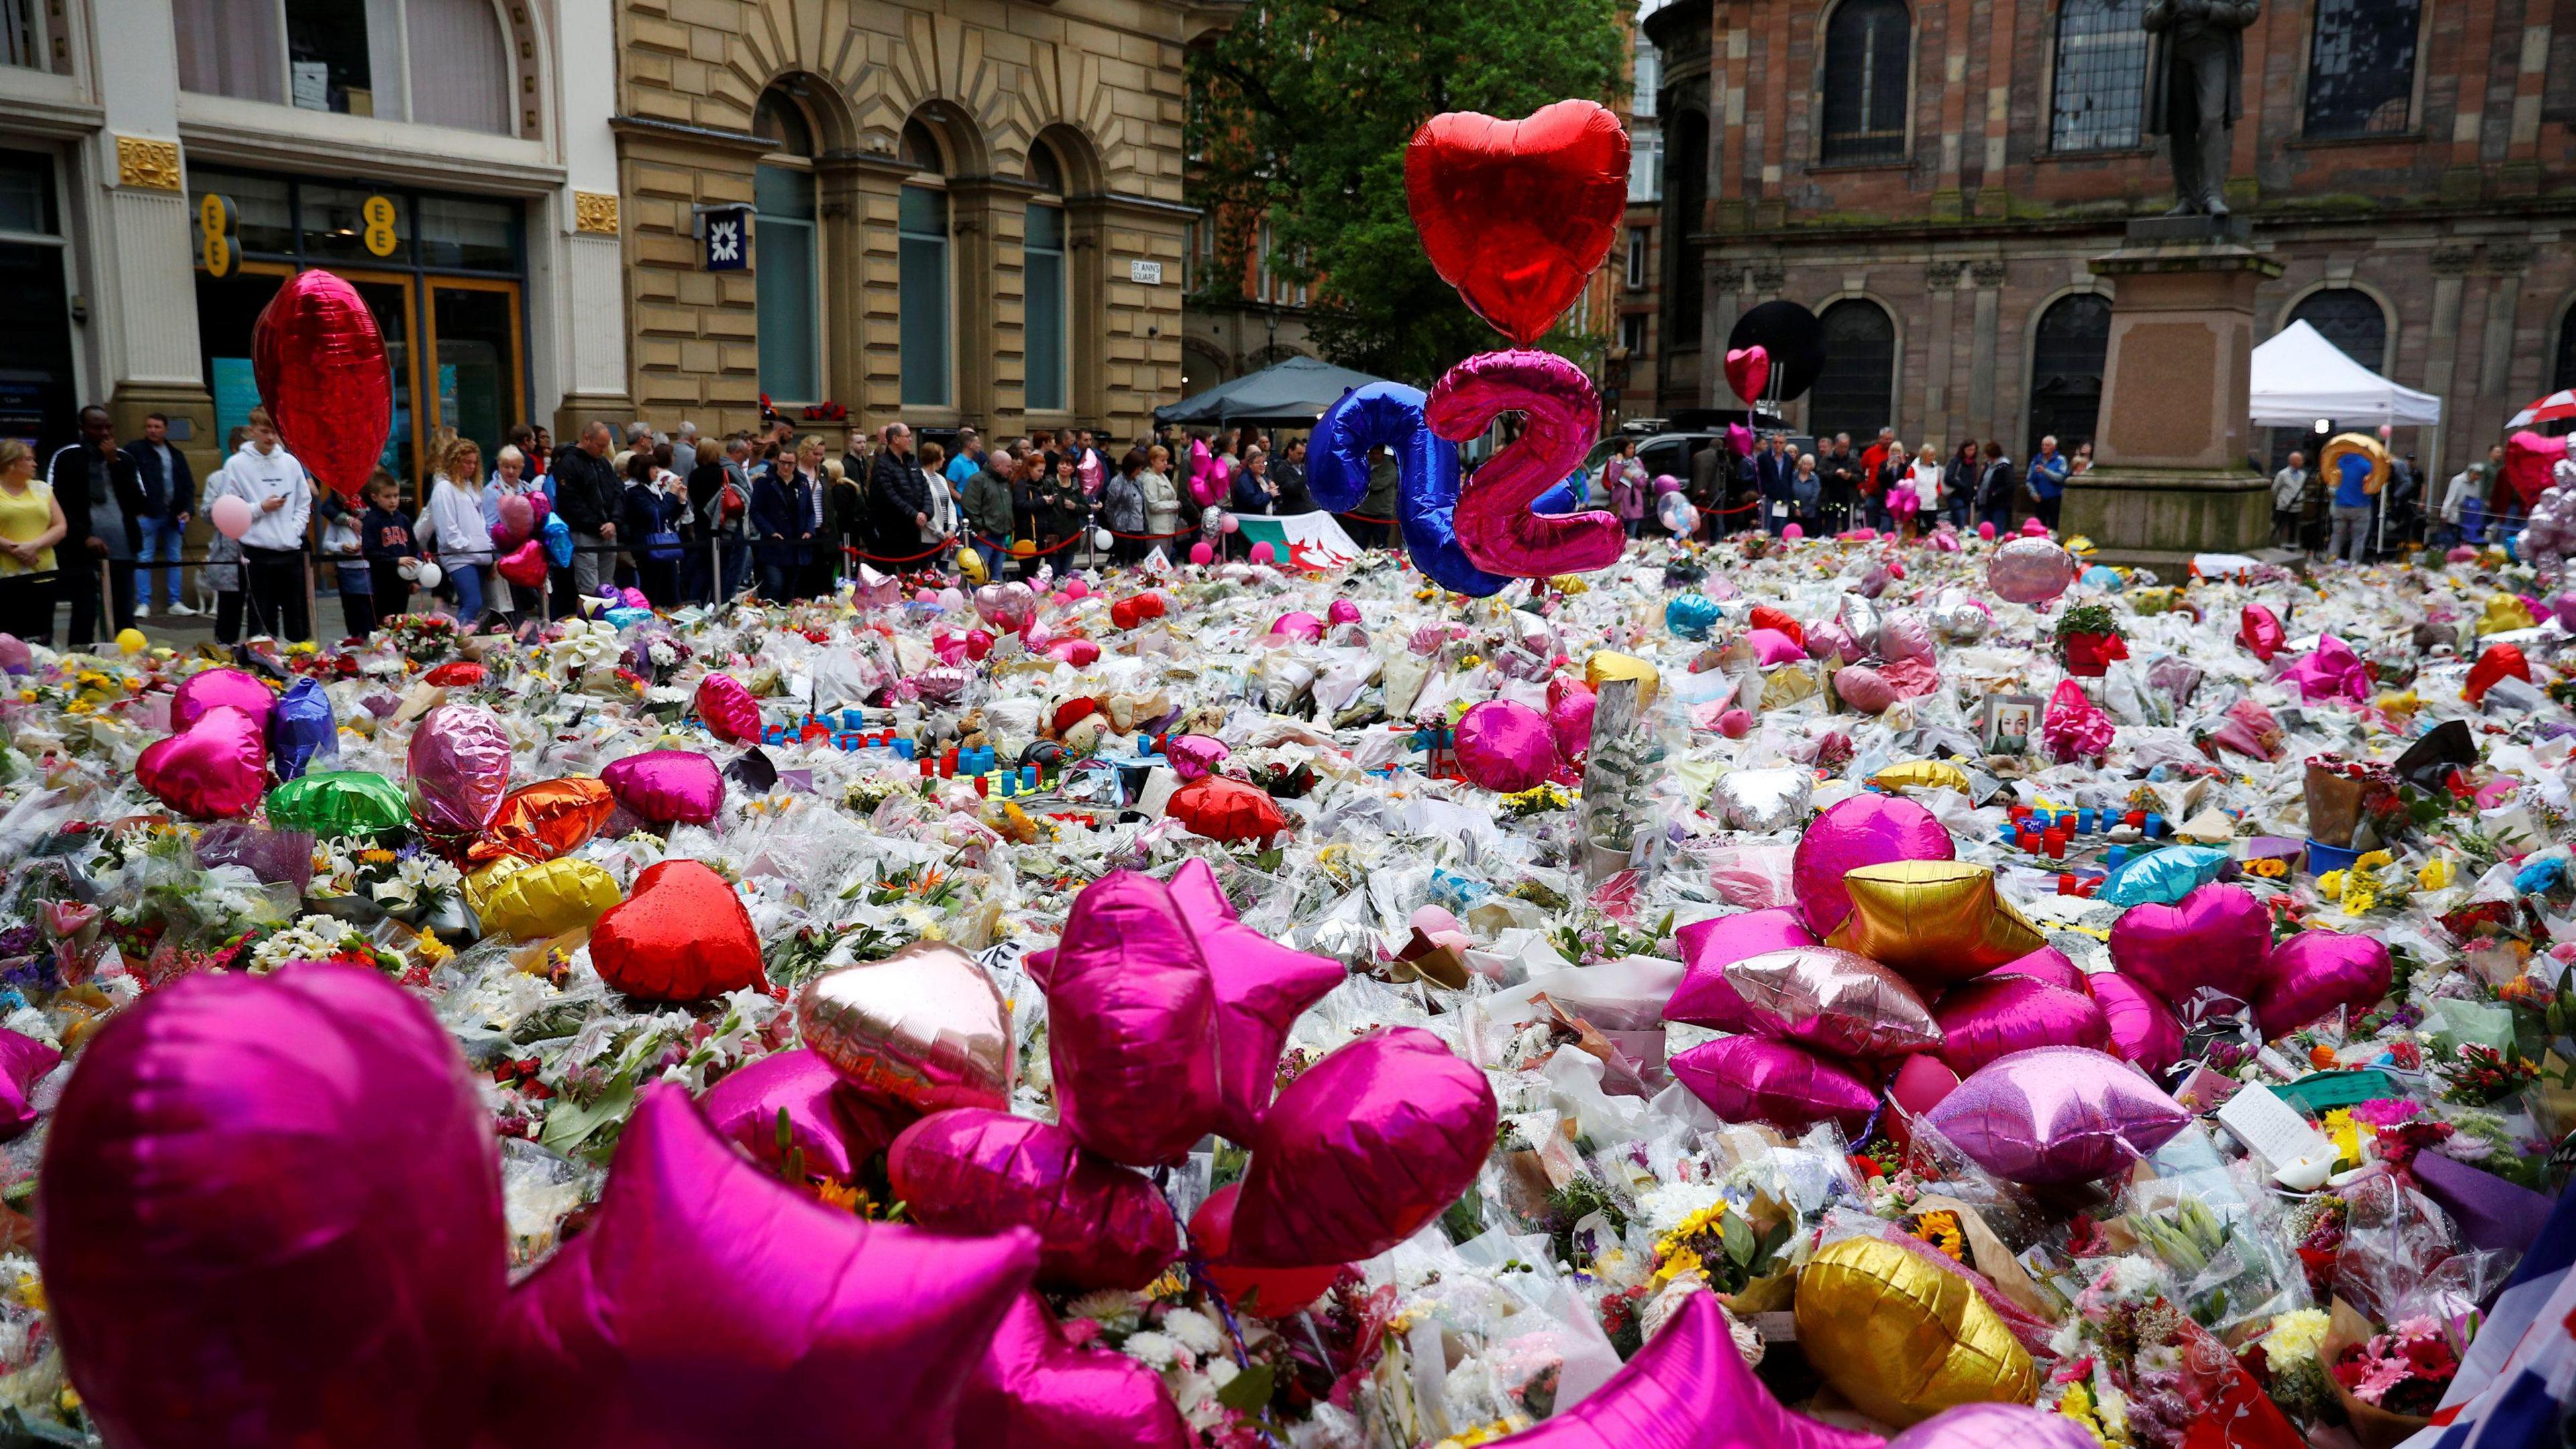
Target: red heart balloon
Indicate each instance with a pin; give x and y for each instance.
(1516, 214)
(1748, 371)
(320, 365)
(213, 769)
(682, 936)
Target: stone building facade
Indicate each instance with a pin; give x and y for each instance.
(1932, 177)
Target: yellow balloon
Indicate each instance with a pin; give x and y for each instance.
(1608, 664)
(548, 900)
(1923, 774)
(2504, 613)
(481, 882)
(1902, 1339)
(132, 641)
(1932, 921)
(2355, 445)
(970, 564)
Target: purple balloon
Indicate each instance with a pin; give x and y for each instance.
(2143, 1028)
(1262, 987)
(1863, 830)
(1995, 1426)
(1708, 947)
(1904, 635)
(1755, 1079)
(1996, 1016)
(836, 1129)
(1833, 1000)
(460, 769)
(2045, 964)
(2218, 937)
(667, 787)
(1505, 746)
(1371, 1143)
(1132, 1024)
(974, 1172)
(2057, 1114)
(705, 1285)
(272, 1215)
(1033, 1390)
(210, 688)
(2309, 975)
(2031, 570)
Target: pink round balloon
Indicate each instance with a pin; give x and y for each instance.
(2218, 937)
(1505, 746)
(1297, 625)
(1343, 611)
(1996, 1016)
(1834, 1001)
(2143, 1028)
(1793, 532)
(210, 688)
(974, 1172)
(1077, 589)
(730, 712)
(2031, 570)
(1863, 830)
(2057, 1114)
(217, 768)
(1132, 1024)
(14, 655)
(837, 1130)
(272, 1216)
(667, 787)
(1570, 707)
(1033, 1390)
(1904, 635)
(1864, 689)
(1262, 987)
(231, 515)
(1831, 641)
(1735, 724)
(1496, 527)
(1920, 1083)
(460, 769)
(1756, 1079)
(1262, 552)
(1361, 1151)
(1995, 1426)
(2309, 975)
(704, 1284)
(1200, 553)
(1986, 530)
(518, 520)
(1008, 605)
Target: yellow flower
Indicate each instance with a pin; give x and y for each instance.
(432, 950)
(2294, 1337)
(2345, 1134)
(376, 857)
(31, 1291)
(2437, 874)
(2374, 860)
(1941, 1229)
(2078, 1405)
(1679, 1262)
(2330, 884)
(837, 1195)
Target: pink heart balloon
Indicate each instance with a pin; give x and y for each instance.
(210, 688)
(1343, 611)
(1033, 1390)
(1755, 1079)
(1195, 757)
(1708, 947)
(705, 1285)
(1863, 830)
(2218, 937)
(1570, 707)
(667, 787)
(1995, 1426)
(1748, 371)
(1132, 1024)
(1505, 746)
(975, 1172)
(460, 769)
(272, 1215)
(1262, 987)
(2143, 1028)
(1996, 1016)
(1372, 1142)
(1298, 625)
(732, 715)
(2057, 1114)
(215, 769)
(24, 1061)
(835, 1128)
(2309, 975)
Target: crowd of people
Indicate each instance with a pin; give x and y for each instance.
(1834, 486)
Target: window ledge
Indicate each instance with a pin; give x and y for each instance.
(2106, 153)
(2388, 138)
(1899, 163)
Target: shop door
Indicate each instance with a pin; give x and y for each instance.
(228, 309)
(474, 356)
(37, 404)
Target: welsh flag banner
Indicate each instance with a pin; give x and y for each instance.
(1305, 540)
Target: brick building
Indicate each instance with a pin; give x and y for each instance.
(1932, 177)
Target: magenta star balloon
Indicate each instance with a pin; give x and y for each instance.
(1995, 1426)
(1262, 987)
(1132, 1024)
(1996, 1016)
(834, 1127)
(1708, 947)
(709, 1306)
(1687, 1388)
(1033, 1390)
(1756, 1079)
(2143, 1028)
(272, 1216)
(2057, 1114)
(975, 1171)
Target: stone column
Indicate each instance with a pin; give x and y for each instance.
(146, 303)
(986, 221)
(1989, 277)
(1941, 283)
(2442, 347)
(860, 194)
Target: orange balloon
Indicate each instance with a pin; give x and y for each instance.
(545, 820)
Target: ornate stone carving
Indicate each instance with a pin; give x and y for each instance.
(2452, 261)
(1988, 274)
(1942, 276)
(147, 165)
(1768, 276)
(594, 213)
(2508, 256)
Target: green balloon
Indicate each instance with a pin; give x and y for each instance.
(340, 802)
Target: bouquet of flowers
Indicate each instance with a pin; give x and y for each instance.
(2135, 1369)
(424, 639)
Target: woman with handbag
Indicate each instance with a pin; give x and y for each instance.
(649, 515)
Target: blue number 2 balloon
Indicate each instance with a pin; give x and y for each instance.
(1389, 415)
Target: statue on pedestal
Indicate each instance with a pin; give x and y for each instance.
(2195, 92)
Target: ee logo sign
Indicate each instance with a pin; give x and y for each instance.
(378, 213)
(216, 219)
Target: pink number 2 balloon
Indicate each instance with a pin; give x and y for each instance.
(1494, 519)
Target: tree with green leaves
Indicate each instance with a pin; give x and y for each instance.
(1299, 115)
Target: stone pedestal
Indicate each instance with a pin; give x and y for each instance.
(2170, 475)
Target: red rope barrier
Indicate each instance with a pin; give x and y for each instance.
(1362, 518)
(936, 548)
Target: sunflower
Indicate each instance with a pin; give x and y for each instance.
(1940, 1227)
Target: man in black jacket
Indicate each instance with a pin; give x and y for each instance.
(169, 497)
(898, 497)
(589, 495)
(103, 508)
(1840, 471)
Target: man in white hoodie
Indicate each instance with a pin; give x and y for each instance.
(266, 476)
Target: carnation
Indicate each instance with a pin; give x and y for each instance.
(1154, 1350)
(2294, 1338)
(1194, 1330)
(1667, 1206)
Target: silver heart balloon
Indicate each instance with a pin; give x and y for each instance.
(925, 1027)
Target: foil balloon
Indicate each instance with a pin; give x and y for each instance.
(667, 787)
(1904, 634)
(2259, 629)
(1362, 1150)
(2330, 671)
(1678, 515)
(1996, 1426)
(1389, 415)
(1771, 647)
(1571, 705)
(1748, 371)
(2031, 570)
(1921, 1081)
(556, 537)
(2046, 964)
(1995, 1016)
(1706, 997)
(24, 1061)
(2057, 1114)
(213, 770)
(1763, 800)
(1270, 1292)
(273, 1216)
(705, 1284)
(1688, 1388)
(545, 820)
(975, 1172)
(1009, 606)
(828, 1127)
(1034, 1389)
(460, 768)
(1932, 921)
(518, 521)
(2143, 1029)
(732, 715)
(1859, 619)
(1606, 665)
(1864, 689)
(1505, 747)
(1226, 809)
(2219, 937)
(1690, 616)
(1262, 987)
(1959, 618)
(1132, 1024)
(1517, 215)
(1923, 775)
(319, 363)
(1298, 625)
(924, 1028)
(682, 935)
(1195, 757)
(301, 728)
(2497, 662)
(1832, 1001)
(210, 688)
(1902, 1339)
(1756, 1079)
(2163, 876)
(548, 900)
(1863, 830)
(524, 566)
(336, 803)
(1494, 520)
(2309, 975)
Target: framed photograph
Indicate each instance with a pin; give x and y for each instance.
(2009, 722)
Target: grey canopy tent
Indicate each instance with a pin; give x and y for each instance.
(1288, 393)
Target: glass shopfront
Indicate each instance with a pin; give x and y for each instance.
(444, 276)
(38, 393)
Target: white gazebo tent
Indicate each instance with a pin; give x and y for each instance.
(2299, 379)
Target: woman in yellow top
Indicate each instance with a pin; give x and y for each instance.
(31, 523)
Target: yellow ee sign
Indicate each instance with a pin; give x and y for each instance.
(378, 213)
(216, 219)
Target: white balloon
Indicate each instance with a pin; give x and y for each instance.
(1101, 538)
(430, 575)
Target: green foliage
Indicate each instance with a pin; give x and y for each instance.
(1301, 113)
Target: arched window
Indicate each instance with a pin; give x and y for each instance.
(2562, 374)
(2350, 319)
(1855, 390)
(1044, 274)
(2101, 81)
(327, 55)
(2361, 68)
(1868, 47)
(923, 292)
(1685, 199)
(2066, 359)
(785, 262)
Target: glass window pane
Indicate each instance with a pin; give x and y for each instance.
(26, 193)
(478, 234)
(924, 212)
(263, 220)
(783, 267)
(232, 49)
(335, 226)
(460, 66)
(783, 191)
(477, 379)
(1046, 304)
(1851, 392)
(2361, 72)
(326, 48)
(1867, 44)
(922, 295)
(2101, 75)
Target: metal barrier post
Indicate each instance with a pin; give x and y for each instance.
(107, 626)
(312, 620)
